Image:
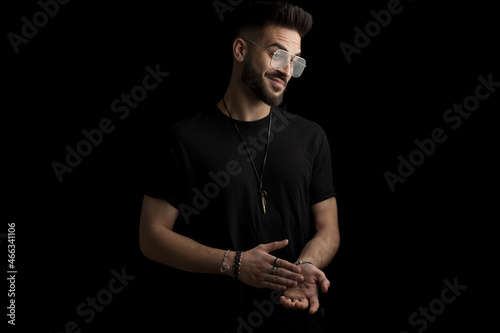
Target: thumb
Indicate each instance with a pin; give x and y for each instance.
(325, 285)
(270, 247)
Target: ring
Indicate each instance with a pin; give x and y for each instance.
(273, 270)
(275, 261)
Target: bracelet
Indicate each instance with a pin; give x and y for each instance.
(300, 262)
(236, 266)
(225, 266)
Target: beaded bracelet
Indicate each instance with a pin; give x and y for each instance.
(237, 264)
(300, 262)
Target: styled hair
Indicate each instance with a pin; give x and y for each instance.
(283, 14)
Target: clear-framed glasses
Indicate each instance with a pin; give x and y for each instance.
(282, 58)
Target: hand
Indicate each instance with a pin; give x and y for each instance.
(256, 267)
(306, 293)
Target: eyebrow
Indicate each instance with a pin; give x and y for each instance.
(283, 48)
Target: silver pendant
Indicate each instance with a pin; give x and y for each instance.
(263, 195)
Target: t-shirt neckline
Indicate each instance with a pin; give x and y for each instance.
(241, 123)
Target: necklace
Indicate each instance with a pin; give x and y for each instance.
(263, 193)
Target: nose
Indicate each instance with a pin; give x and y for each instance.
(287, 70)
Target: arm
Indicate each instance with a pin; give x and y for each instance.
(320, 250)
(160, 243)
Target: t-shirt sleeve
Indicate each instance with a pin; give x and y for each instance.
(164, 173)
(321, 186)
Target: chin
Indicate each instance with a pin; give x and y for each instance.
(275, 101)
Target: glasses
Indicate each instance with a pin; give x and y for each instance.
(282, 58)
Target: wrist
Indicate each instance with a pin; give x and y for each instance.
(226, 267)
(303, 262)
(237, 264)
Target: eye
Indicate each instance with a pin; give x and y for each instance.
(280, 55)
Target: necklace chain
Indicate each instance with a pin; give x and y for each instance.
(263, 193)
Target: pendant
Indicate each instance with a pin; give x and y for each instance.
(263, 195)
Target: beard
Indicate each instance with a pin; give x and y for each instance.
(253, 79)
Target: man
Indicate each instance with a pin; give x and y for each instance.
(247, 189)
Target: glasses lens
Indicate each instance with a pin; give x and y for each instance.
(299, 64)
(282, 58)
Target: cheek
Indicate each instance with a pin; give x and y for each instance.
(263, 64)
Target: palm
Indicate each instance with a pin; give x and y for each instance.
(303, 291)
(305, 294)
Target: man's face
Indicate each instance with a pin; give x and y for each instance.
(267, 83)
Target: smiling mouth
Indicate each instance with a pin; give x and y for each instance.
(277, 82)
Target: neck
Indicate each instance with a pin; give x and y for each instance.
(243, 104)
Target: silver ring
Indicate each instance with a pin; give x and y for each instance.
(273, 270)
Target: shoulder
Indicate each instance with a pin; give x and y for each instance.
(297, 125)
(193, 124)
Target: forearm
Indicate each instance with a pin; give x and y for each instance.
(172, 249)
(321, 249)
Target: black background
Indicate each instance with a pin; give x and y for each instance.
(396, 248)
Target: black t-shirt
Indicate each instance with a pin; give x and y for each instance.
(205, 172)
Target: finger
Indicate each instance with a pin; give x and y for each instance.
(270, 247)
(287, 303)
(301, 304)
(314, 305)
(289, 275)
(274, 286)
(288, 266)
(294, 304)
(282, 281)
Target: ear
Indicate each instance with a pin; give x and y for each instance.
(240, 49)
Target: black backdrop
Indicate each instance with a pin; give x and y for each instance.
(398, 247)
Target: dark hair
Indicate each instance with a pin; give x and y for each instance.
(262, 14)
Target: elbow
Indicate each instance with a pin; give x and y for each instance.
(156, 223)
(152, 241)
(145, 244)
